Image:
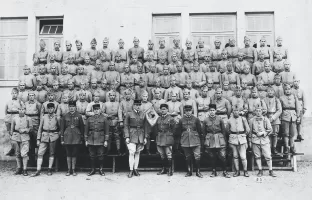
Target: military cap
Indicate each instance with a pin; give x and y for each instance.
(238, 88)
(208, 54)
(57, 42)
(166, 67)
(254, 89)
(161, 55)
(187, 107)
(164, 105)
(210, 81)
(136, 39)
(144, 93)
(261, 52)
(286, 62)
(161, 39)
(87, 56)
(26, 67)
(260, 82)
(212, 106)
(96, 106)
(68, 42)
(173, 94)
(258, 107)
(93, 41)
(42, 42)
(279, 38)
(112, 63)
(94, 80)
(72, 103)
(173, 78)
(186, 91)
(106, 39)
(137, 102)
(263, 38)
(22, 106)
(232, 39)
(246, 38)
(78, 42)
(287, 86)
(31, 92)
(224, 52)
(121, 41)
(55, 83)
(82, 93)
(173, 54)
(226, 82)
(270, 88)
(200, 40)
(80, 67)
(277, 76)
(22, 83)
(104, 81)
(50, 105)
(117, 54)
(96, 94)
(187, 40)
(267, 62)
(176, 39)
(217, 40)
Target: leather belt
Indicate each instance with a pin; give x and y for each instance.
(50, 131)
(13, 112)
(289, 108)
(249, 57)
(266, 57)
(238, 132)
(32, 115)
(218, 59)
(150, 85)
(221, 113)
(137, 127)
(26, 87)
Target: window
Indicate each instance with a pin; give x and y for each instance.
(13, 47)
(50, 30)
(209, 27)
(168, 27)
(258, 25)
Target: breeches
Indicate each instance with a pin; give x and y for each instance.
(189, 151)
(165, 151)
(216, 152)
(289, 129)
(21, 148)
(71, 150)
(239, 150)
(262, 149)
(96, 151)
(43, 146)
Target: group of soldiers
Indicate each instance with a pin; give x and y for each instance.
(203, 101)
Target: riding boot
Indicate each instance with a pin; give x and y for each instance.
(198, 174)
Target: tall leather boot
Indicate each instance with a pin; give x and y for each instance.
(92, 172)
(118, 148)
(69, 163)
(101, 170)
(198, 174)
(163, 167)
(188, 165)
(170, 173)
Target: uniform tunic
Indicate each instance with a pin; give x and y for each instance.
(96, 130)
(175, 50)
(135, 127)
(138, 51)
(176, 90)
(189, 129)
(214, 132)
(267, 78)
(164, 130)
(72, 128)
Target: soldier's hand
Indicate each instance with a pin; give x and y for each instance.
(298, 120)
(86, 143)
(38, 142)
(121, 124)
(145, 141)
(127, 140)
(105, 144)
(62, 142)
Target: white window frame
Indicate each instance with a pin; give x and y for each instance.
(57, 26)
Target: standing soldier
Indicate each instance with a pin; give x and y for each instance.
(287, 76)
(201, 51)
(63, 108)
(203, 104)
(205, 66)
(260, 129)
(53, 76)
(188, 101)
(93, 53)
(71, 92)
(56, 92)
(238, 101)
(150, 63)
(173, 89)
(135, 126)
(40, 57)
(81, 76)
(56, 52)
(112, 76)
(28, 78)
(44, 107)
(258, 66)
(157, 102)
(151, 78)
(223, 106)
(111, 109)
(274, 110)
(52, 62)
(290, 116)
(279, 48)
(96, 72)
(69, 58)
(238, 129)
(41, 93)
(198, 78)
(136, 50)
(64, 77)
(162, 52)
(72, 130)
(190, 132)
(232, 50)
(42, 77)
(278, 87)
(122, 52)
(126, 77)
(249, 78)
(164, 131)
(176, 49)
(80, 54)
(231, 76)
(174, 63)
(213, 76)
(23, 93)
(125, 106)
(254, 102)
(82, 105)
(48, 133)
(267, 76)
(106, 55)
(21, 127)
(96, 100)
(189, 56)
(216, 52)
(88, 67)
(150, 51)
(221, 65)
(181, 77)
(302, 104)
(240, 64)
(267, 52)
(119, 64)
(249, 51)
(96, 136)
(83, 89)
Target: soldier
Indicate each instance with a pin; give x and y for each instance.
(81, 76)
(278, 87)
(23, 93)
(151, 77)
(201, 51)
(274, 110)
(267, 76)
(254, 102)
(194, 94)
(232, 51)
(96, 72)
(40, 57)
(80, 54)
(299, 93)
(40, 93)
(213, 76)
(21, 128)
(64, 78)
(56, 52)
(240, 64)
(96, 136)
(161, 64)
(111, 109)
(279, 48)
(136, 50)
(147, 107)
(164, 131)
(190, 132)
(181, 77)
(32, 110)
(103, 91)
(290, 116)
(51, 63)
(246, 93)
(94, 87)
(84, 90)
(72, 130)
(249, 78)
(267, 52)
(47, 136)
(82, 105)
(119, 64)
(239, 102)
(150, 52)
(165, 78)
(126, 77)
(238, 129)
(222, 64)
(223, 109)
(189, 56)
(216, 52)
(250, 52)
(211, 90)
(173, 89)
(96, 100)
(125, 106)
(44, 107)
(135, 130)
(260, 129)
(162, 51)
(56, 92)
(262, 92)
(87, 67)
(198, 78)
(227, 93)
(53, 76)
(70, 91)
(122, 52)
(42, 77)
(112, 76)
(258, 66)
(188, 101)
(150, 63)
(106, 55)
(278, 65)
(69, 58)
(157, 101)
(287, 76)
(28, 78)
(203, 104)
(176, 49)
(113, 90)
(63, 108)
(135, 65)
(205, 66)
(158, 87)
(231, 77)
(93, 53)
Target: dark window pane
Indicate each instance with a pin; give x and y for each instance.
(45, 29)
(52, 29)
(59, 30)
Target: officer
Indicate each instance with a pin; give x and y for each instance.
(135, 126)
(164, 131)
(96, 136)
(238, 129)
(48, 133)
(274, 110)
(106, 55)
(215, 143)
(261, 128)
(190, 132)
(21, 128)
(136, 50)
(72, 129)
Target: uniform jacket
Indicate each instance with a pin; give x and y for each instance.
(135, 127)
(214, 132)
(96, 130)
(237, 129)
(291, 108)
(189, 129)
(274, 109)
(164, 130)
(23, 124)
(258, 124)
(48, 129)
(72, 128)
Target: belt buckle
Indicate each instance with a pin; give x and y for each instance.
(188, 130)
(138, 127)
(72, 126)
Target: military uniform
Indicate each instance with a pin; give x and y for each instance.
(41, 56)
(106, 56)
(258, 68)
(198, 79)
(202, 107)
(138, 51)
(288, 77)
(280, 49)
(223, 108)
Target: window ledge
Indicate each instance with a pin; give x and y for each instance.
(8, 83)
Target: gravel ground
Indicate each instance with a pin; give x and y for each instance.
(288, 185)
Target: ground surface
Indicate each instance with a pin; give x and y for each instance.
(288, 185)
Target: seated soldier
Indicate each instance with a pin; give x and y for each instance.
(240, 64)
(52, 62)
(41, 93)
(239, 102)
(70, 91)
(262, 92)
(232, 77)
(42, 77)
(150, 51)
(173, 89)
(87, 67)
(223, 108)
(81, 76)
(253, 102)
(174, 63)
(57, 93)
(181, 77)
(63, 108)
(120, 63)
(64, 77)
(165, 77)
(203, 102)
(126, 77)
(53, 76)
(197, 78)
(278, 87)
(96, 100)
(205, 66)
(157, 101)
(188, 101)
(223, 63)
(23, 93)
(258, 66)
(246, 93)
(227, 93)
(112, 75)
(267, 76)
(151, 78)
(81, 105)
(96, 73)
(250, 78)
(194, 94)
(84, 90)
(158, 87)
(135, 64)
(44, 107)
(211, 90)
(214, 76)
